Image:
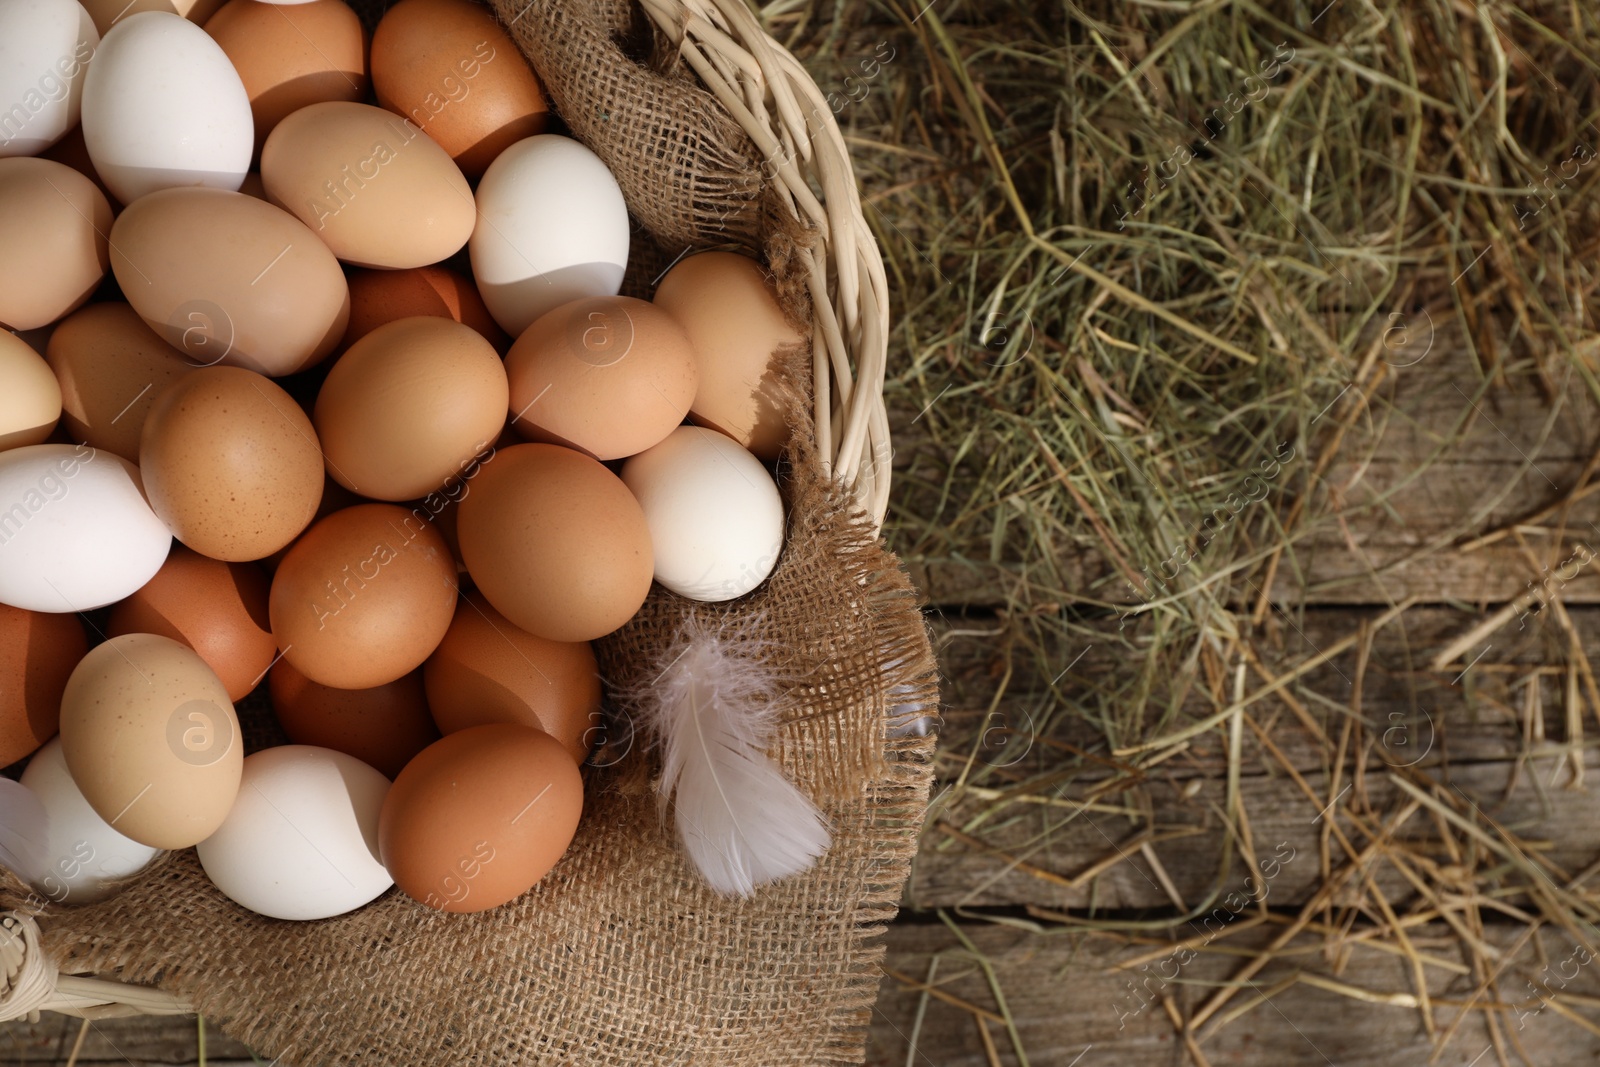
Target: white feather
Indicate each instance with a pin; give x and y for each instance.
(742, 823)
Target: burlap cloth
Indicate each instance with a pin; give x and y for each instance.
(620, 956)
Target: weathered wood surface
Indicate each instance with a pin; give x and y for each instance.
(1370, 545)
(1479, 729)
(1072, 1007)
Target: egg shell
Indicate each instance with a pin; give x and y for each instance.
(72, 152)
(488, 670)
(30, 396)
(289, 57)
(555, 542)
(230, 279)
(736, 329)
(715, 516)
(479, 817)
(75, 530)
(198, 12)
(53, 253)
(45, 48)
(349, 171)
(163, 107)
(552, 228)
(111, 366)
(218, 609)
(301, 841)
(152, 740)
(363, 597)
(449, 67)
(384, 726)
(382, 296)
(38, 651)
(107, 13)
(230, 463)
(408, 406)
(84, 856)
(609, 376)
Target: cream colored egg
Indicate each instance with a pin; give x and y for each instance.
(30, 399)
(152, 740)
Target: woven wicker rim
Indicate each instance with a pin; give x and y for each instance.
(777, 103)
(771, 96)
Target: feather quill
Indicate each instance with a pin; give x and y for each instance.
(741, 822)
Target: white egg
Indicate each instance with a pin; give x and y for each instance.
(23, 849)
(715, 516)
(75, 530)
(45, 48)
(83, 854)
(301, 841)
(552, 227)
(163, 107)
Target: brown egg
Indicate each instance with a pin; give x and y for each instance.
(198, 12)
(364, 597)
(408, 406)
(38, 651)
(381, 296)
(555, 542)
(610, 376)
(72, 151)
(152, 740)
(218, 609)
(229, 279)
(382, 727)
(449, 67)
(488, 670)
(478, 818)
(111, 367)
(230, 463)
(291, 55)
(730, 312)
(53, 252)
(30, 397)
(377, 190)
(251, 186)
(335, 497)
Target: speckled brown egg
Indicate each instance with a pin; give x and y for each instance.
(38, 651)
(408, 406)
(555, 542)
(489, 670)
(448, 67)
(111, 367)
(151, 739)
(382, 727)
(609, 376)
(363, 597)
(291, 55)
(382, 296)
(230, 463)
(730, 311)
(218, 609)
(479, 817)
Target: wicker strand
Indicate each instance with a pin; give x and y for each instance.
(30, 983)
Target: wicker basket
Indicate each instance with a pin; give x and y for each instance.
(767, 91)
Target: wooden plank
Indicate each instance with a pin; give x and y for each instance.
(1071, 1008)
(1382, 513)
(1008, 830)
(137, 1040)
